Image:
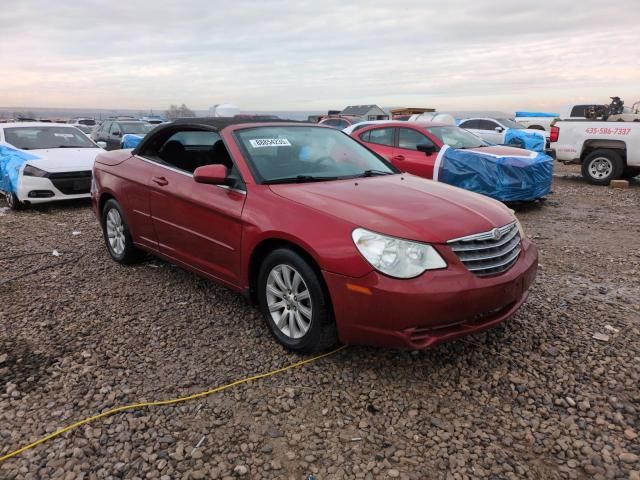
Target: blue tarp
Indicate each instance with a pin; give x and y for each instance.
(11, 159)
(508, 179)
(530, 140)
(536, 114)
(129, 140)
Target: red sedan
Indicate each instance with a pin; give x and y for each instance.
(331, 241)
(413, 146)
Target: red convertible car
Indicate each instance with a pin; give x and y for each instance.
(329, 239)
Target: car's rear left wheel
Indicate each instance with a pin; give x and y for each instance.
(294, 302)
(117, 235)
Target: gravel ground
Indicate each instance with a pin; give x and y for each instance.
(538, 397)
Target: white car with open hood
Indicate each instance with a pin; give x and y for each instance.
(44, 162)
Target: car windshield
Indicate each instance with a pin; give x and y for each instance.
(507, 122)
(87, 121)
(135, 127)
(456, 137)
(281, 154)
(33, 138)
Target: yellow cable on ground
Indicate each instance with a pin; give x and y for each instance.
(167, 402)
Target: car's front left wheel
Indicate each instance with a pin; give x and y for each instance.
(13, 201)
(295, 303)
(117, 235)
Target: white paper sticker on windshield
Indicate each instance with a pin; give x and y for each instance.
(269, 142)
(64, 135)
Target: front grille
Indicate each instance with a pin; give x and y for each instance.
(489, 253)
(72, 183)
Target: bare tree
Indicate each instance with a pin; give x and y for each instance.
(178, 112)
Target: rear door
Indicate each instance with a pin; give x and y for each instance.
(197, 224)
(407, 157)
(381, 140)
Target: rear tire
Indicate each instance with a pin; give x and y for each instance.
(117, 235)
(601, 166)
(295, 303)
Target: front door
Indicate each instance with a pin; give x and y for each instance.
(114, 137)
(407, 157)
(197, 224)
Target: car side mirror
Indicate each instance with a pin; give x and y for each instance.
(499, 129)
(427, 148)
(102, 144)
(211, 174)
(117, 133)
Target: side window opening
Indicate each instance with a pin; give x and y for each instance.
(187, 150)
(381, 136)
(409, 139)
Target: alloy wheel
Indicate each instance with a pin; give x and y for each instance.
(289, 301)
(115, 231)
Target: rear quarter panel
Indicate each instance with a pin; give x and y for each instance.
(575, 136)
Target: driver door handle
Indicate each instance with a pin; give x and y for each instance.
(397, 157)
(160, 181)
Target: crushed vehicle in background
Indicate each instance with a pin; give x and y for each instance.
(44, 162)
(451, 154)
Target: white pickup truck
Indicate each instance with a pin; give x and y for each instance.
(544, 121)
(607, 150)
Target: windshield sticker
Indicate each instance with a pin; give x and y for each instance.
(269, 142)
(64, 135)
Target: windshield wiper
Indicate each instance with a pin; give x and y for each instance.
(73, 146)
(375, 173)
(299, 179)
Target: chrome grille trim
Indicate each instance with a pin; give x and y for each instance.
(483, 255)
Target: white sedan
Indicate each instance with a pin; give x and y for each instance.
(44, 162)
(493, 129)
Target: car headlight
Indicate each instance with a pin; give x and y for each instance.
(394, 256)
(518, 224)
(31, 171)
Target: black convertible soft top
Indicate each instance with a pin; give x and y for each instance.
(212, 123)
(222, 122)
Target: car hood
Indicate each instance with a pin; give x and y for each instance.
(403, 206)
(65, 159)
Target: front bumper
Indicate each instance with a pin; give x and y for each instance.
(63, 186)
(435, 307)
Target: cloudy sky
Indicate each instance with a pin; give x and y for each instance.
(314, 55)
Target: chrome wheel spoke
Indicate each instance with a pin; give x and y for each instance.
(305, 311)
(274, 307)
(286, 276)
(292, 326)
(295, 284)
(303, 326)
(273, 290)
(304, 295)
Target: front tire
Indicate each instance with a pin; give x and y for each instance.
(295, 303)
(601, 166)
(117, 235)
(13, 202)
